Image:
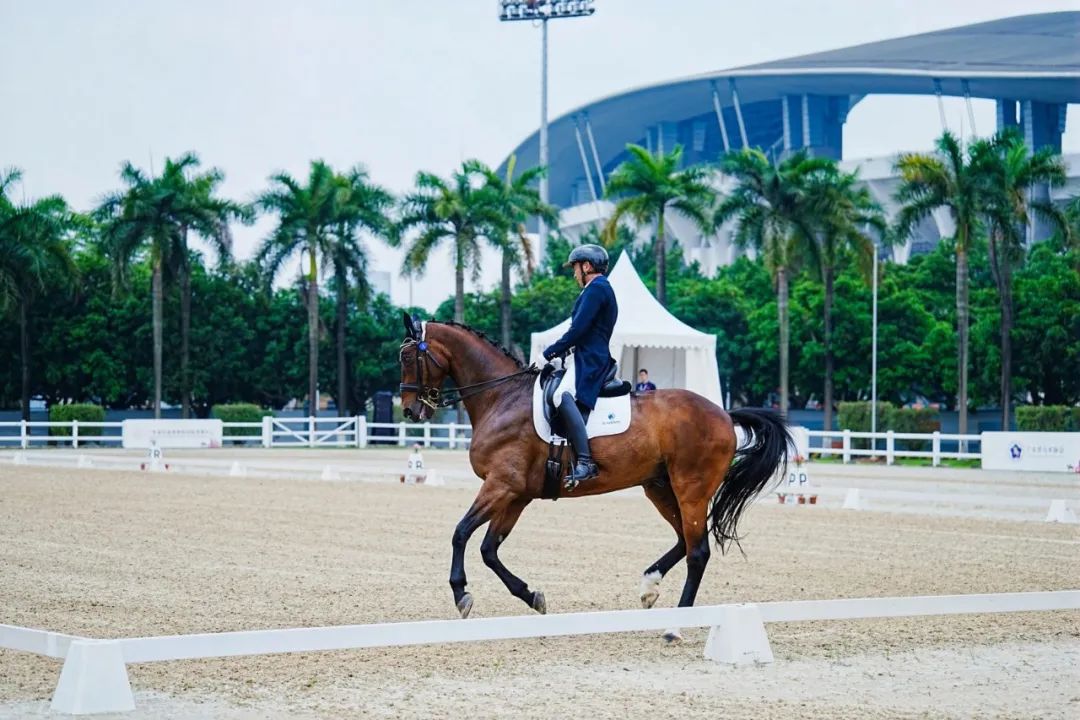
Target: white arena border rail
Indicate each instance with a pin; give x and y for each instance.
(94, 677)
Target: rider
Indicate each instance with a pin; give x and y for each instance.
(591, 325)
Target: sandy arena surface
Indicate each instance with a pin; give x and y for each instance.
(123, 554)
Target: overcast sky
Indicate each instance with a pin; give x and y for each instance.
(258, 86)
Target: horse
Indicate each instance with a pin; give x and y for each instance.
(680, 448)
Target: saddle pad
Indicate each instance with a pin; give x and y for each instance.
(610, 417)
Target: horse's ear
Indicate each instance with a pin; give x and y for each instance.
(410, 325)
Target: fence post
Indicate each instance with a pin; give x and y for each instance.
(24, 439)
(311, 430)
(936, 446)
(847, 446)
(267, 431)
(401, 434)
(452, 436)
(75, 433)
(427, 435)
(361, 431)
(890, 447)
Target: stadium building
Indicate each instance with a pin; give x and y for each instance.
(1028, 65)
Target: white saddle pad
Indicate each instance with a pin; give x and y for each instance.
(610, 417)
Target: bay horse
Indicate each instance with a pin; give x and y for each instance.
(680, 448)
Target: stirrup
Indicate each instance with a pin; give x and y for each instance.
(570, 481)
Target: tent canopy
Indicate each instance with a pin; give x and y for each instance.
(648, 336)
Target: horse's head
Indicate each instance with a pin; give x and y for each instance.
(422, 372)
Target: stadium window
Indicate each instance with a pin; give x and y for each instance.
(697, 135)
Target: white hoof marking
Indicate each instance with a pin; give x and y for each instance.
(650, 588)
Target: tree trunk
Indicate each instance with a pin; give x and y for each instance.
(828, 399)
(782, 308)
(342, 370)
(999, 265)
(962, 330)
(504, 302)
(1006, 347)
(156, 312)
(459, 312)
(459, 291)
(661, 261)
(313, 336)
(24, 354)
(185, 342)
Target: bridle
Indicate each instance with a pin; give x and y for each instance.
(432, 396)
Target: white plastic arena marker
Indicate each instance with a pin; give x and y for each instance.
(237, 470)
(155, 458)
(94, 680)
(1061, 513)
(329, 472)
(852, 501)
(740, 637)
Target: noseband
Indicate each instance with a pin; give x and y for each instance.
(427, 394)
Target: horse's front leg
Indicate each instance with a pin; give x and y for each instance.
(489, 502)
(497, 532)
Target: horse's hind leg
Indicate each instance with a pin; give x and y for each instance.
(486, 504)
(663, 498)
(497, 532)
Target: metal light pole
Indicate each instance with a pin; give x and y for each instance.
(542, 11)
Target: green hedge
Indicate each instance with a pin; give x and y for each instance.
(855, 416)
(913, 420)
(240, 412)
(83, 412)
(1048, 418)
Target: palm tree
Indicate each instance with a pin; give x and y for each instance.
(33, 251)
(515, 200)
(361, 205)
(145, 213)
(774, 215)
(459, 210)
(1009, 171)
(843, 213)
(208, 216)
(947, 179)
(307, 216)
(647, 186)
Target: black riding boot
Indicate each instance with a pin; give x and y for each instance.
(574, 420)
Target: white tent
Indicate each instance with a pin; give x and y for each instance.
(648, 336)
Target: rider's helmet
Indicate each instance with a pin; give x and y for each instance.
(594, 254)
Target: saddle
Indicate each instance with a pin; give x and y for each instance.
(611, 416)
(550, 377)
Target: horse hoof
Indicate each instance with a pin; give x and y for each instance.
(464, 605)
(539, 602)
(648, 598)
(672, 637)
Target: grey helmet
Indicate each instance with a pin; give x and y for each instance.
(594, 254)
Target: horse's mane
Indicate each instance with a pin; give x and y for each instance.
(490, 341)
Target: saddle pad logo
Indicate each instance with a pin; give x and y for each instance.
(611, 419)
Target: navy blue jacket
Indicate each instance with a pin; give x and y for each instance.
(591, 325)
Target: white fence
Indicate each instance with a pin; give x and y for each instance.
(358, 432)
(888, 448)
(271, 432)
(94, 677)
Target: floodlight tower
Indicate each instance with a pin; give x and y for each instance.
(541, 11)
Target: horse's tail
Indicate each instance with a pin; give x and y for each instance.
(754, 464)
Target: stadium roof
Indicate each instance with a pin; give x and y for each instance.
(1030, 57)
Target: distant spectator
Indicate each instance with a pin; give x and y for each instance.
(643, 384)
